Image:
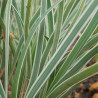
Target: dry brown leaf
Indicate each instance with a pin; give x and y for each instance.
(2, 72)
(3, 34)
(11, 35)
(23, 88)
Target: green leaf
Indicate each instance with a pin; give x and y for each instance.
(12, 45)
(7, 43)
(50, 20)
(17, 15)
(18, 18)
(67, 23)
(57, 32)
(39, 47)
(22, 9)
(23, 54)
(34, 18)
(88, 72)
(58, 27)
(53, 62)
(77, 48)
(16, 56)
(69, 91)
(4, 2)
(47, 38)
(82, 2)
(91, 42)
(2, 23)
(79, 63)
(2, 93)
(46, 52)
(68, 7)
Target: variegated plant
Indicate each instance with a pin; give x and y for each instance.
(44, 45)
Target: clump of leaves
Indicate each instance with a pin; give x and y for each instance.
(44, 46)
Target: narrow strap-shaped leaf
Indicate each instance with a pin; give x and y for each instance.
(35, 17)
(68, 9)
(4, 2)
(27, 18)
(77, 48)
(18, 18)
(17, 52)
(50, 19)
(17, 12)
(12, 45)
(22, 9)
(35, 5)
(23, 54)
(10, 42)
(9, 2)
(69, 91)
(72, 14)
(81, 62)
(22, 80)
(26, 31)
(3, 7)
(91, 42)
(76, 3)
(2, 25)
(39, 47)
(46, 52)
(57, 33)
(66, 4)
(58, 27)
(79, 77)
(82, 2)
(2, 93)
(68, 22)
(53, 62)
(78, 65)
(15, 4)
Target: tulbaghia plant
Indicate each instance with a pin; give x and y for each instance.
(44, 46)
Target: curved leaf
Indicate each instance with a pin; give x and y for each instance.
(23, 54)
(88, 72)
(2, 93)
(53, 62)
